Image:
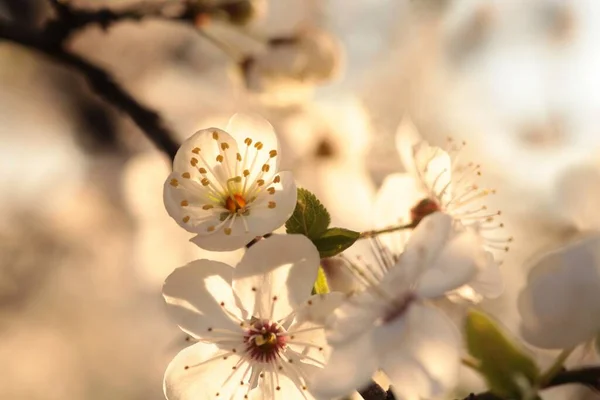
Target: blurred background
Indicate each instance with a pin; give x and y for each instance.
(85, 242)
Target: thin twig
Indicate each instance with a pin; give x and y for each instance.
(373, 233)
(99, 80)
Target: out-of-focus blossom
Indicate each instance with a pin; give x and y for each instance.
(339, 276)
(260, 333)
(436, 180)
(560, 305)
(226, 185)
(290, 67)
(393, 326)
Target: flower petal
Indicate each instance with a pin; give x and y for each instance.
(458, 263)
(184, 200)
(407, 136)
(258, 146)
(319, 308)
(560, 306)
(219, 241)
(426, 243)
(276, 275)
(355, 316)
(204, 149)
(277, 386)
(194, 294)
(396, 196)
(420, 353)
(489, 281)
(349, 368)
(270, 211)
(201, 371)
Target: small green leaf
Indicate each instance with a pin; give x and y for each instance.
(310, 217)
(334, 241)
(321, 285)
(505, 366)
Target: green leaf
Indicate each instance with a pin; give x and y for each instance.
(321, 285)
(334, 241)
(505, 366)
(310, 217)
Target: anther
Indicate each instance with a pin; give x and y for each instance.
(215, 135)
(224, 146)
(184, 203)
(239, 157)
(273, 153)
(260, 182)
(205, 182)
(246, 172)
(202, 170)
(174, 182)
(207, 206)
(186, 175)
(271, 190)
(277, 179)
(248, 141)
(227, 231)
(219, 158)
(210, 228)
(258, 145)
(196, 150)
(265, 168)
(272, 204)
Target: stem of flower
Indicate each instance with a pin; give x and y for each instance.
(555, 368)
(373, 233)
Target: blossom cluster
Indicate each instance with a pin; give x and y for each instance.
(260, 329)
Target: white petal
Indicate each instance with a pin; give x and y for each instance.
(349, 368)
(420, 353)
(355, 316)
(189, 215)
(395, 198)
(489, 281)
(209, 149)
(219, 241)
(560, 306)
(270, 211)
(436, 172)
(319, 308)
(457, 264)
(276, 275)
(407, 137)
(203, 381)
(277, 386)
(426, 243)
(193, 294)
(258, 146)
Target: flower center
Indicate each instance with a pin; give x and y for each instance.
(422, 209)
(264, 340)
(235, 203)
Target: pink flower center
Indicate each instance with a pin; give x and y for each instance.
(264, 340)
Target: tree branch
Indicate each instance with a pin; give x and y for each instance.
(70, 19)
(99, 80)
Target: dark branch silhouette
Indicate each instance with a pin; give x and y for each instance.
(101, 82)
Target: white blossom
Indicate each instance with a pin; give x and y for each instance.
(290, 67)
(226, 185)
(259, 332)
(436, 180)
(560, 304)
(392, 325)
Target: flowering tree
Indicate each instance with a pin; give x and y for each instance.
(272, 326)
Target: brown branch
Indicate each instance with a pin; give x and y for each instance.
(99, 80)
(69, 19)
